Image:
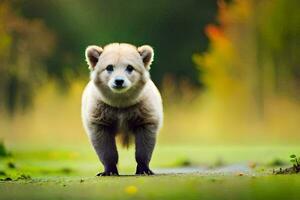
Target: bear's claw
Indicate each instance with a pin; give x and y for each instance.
(143, 171)
(108, 174)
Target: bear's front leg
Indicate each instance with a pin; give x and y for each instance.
(103, 140)
(145, 138)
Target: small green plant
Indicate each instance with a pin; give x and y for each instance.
(276, 162)
(183, 162)
(24, 177)
(291, 170)
(3, 152)
(295, 161)
(11, 165)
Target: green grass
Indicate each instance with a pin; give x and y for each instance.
(49, 173)
(192, 186)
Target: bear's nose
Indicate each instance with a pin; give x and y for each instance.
(119, 82)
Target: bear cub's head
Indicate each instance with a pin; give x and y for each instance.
(119, 70)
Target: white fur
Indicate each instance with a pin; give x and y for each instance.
(121, 54)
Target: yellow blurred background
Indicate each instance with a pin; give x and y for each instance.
(238, 84)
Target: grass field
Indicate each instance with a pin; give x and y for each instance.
(223, 172)
(191, 186)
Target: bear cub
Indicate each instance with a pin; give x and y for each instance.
(121, 100)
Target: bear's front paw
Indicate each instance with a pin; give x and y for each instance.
(143, 170)
(108, 174)
(110, 170)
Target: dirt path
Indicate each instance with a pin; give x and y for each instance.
(230, 169)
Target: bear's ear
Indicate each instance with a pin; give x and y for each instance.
(147, 55)
(92, 54)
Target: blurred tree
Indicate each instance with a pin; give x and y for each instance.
(29, 52)
(279, 46)
(173, 28)
(24, 46)
(252, 58)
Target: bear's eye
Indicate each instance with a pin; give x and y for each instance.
(129, 68)
(110, 68)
